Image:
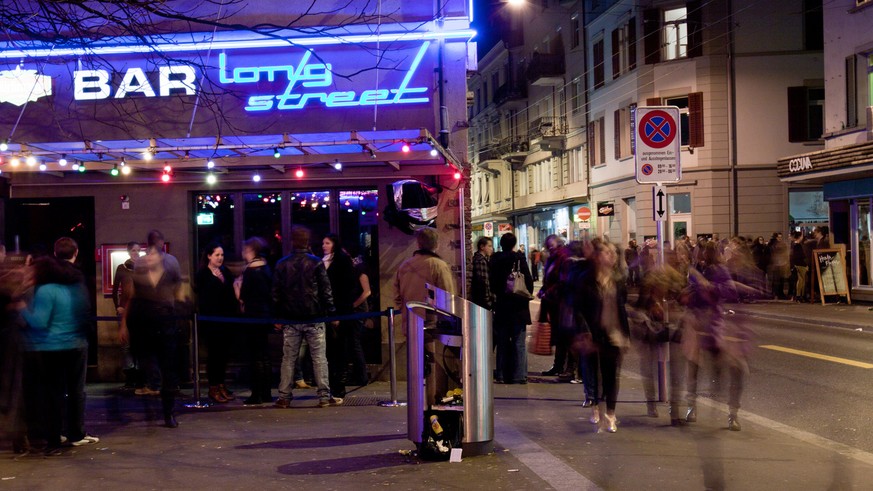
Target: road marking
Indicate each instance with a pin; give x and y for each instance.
(548, 467)
(818, 356)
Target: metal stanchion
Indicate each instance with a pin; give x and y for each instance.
(197, 404)
(392, 364)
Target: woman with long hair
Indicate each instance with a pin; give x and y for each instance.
(215, 296)
(344, 285)
(601, 295)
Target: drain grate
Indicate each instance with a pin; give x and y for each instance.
(361, 401)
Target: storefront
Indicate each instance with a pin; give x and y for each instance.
(832, 187)
(227, 134)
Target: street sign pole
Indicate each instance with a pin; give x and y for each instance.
(663, 348)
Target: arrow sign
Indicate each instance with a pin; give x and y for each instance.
(659, 204)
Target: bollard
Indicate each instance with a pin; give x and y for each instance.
(392, 365)
(197, 404)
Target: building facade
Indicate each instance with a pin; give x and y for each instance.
(223, 132)
(841, 171)
(745, 96)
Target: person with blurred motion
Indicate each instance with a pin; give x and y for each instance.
(358, 373)
(600, 297)
(301, 293)
(550, 295)
(253, 289)
(57, 351)
(708, 336)
(120, 297)
(149, 320)
(424, 267)
(511, 312)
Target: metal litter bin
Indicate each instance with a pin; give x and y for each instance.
(466, 328)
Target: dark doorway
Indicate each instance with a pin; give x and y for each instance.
(32, 227)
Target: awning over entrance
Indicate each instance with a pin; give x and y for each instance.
(410, 151)
(837, 164)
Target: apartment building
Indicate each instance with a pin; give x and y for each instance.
(841, 171)
(737, 71)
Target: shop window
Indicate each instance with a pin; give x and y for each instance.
(807, 209)
(599, 74)
(679, 203)
(864, 231)
(805, 113)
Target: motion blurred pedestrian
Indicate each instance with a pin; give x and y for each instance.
(601, 298)
(252, 288)
(707, 336)
(345, 288)
(120, 298)
(150, 322)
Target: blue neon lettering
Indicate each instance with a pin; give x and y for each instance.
(310, 75)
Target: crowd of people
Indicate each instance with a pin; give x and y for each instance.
(48, 315)
(679, 306)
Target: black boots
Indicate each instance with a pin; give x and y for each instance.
(168, 403)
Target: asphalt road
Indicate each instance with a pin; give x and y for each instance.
(828, 397)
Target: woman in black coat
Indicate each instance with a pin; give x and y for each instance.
(346, 287)
(601, 295)
(511, 313)
(215, 296)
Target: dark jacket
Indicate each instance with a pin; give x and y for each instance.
(508, 306)
(480, 283)
(344, 282)
(301, 288)
(588, 305)
(215, 297)
(255, 292)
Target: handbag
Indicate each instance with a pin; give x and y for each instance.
(541, 339)
(515, 284)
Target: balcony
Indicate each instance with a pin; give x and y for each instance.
(546, 70)
(513, 149)
(488, 154)
(510, 95)
(546, 127)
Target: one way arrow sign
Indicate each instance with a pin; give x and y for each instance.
(659, 204)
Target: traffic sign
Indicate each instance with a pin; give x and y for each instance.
(659, 203)
(583, 213)
(488, 229)
(658, 143)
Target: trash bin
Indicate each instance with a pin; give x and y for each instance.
(449, 344)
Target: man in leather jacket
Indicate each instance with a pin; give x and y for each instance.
(302, 294)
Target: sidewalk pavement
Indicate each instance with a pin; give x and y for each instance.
(543, 440)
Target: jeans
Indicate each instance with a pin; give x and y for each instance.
(50, 376)
(511, 354)
(293, 335)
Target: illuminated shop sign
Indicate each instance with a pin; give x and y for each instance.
(288, 86)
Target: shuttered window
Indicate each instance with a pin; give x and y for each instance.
(598, 64)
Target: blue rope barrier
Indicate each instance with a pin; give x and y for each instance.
(266, 320)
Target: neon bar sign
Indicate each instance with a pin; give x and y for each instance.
(313, 75)
(182, 79)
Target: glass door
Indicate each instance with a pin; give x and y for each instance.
(863, 234)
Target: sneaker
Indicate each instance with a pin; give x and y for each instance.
(576, 381)
(333, 401)
(282, 403)
(301, 384)
(86, 440)
(145, 391)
